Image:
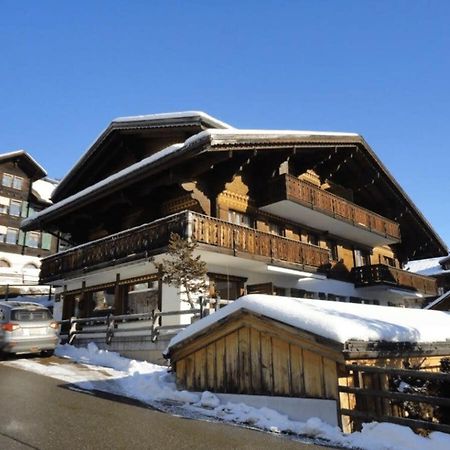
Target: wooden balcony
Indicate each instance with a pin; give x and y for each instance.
(152, 238)
(307, 204)
(380, 274)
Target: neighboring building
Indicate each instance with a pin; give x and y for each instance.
(296, 213)
(438, 268)
(24, 190)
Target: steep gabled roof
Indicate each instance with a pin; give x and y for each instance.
(29, 165)
(151, 121)
(219, 139)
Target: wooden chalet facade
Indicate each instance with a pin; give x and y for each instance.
(306, 214)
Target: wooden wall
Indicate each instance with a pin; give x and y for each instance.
(257, 358)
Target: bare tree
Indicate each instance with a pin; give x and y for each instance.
(184, 270)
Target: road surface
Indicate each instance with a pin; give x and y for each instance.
(38, 412)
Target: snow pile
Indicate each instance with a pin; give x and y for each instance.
(338, 321)
(43, 189)
(143, 381)
(154, 385)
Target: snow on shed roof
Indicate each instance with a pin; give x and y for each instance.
(340, 322)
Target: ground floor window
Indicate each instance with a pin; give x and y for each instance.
(226, 287)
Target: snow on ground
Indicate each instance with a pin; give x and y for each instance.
(155, 386)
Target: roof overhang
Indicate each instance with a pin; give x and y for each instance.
(145, 122)
(214, 140)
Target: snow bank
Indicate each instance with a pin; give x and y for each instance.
(338, 321)
(151, 383)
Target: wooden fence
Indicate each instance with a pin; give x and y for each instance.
(372, 398)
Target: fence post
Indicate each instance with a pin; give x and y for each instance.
(109, 329)
(217, 302)
(200, 300)
(72, 330)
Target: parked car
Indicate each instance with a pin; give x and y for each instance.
(27, 328)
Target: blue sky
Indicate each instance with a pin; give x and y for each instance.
(379, 68)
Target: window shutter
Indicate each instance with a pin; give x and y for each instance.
(21, 240)
(24, 210)
(46, 241)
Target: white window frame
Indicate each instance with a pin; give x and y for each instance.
(6, 176)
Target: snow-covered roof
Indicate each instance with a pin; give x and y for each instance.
(24, 154)
(233, 135)
(429, 267)
(143, 121)
(43, 189)
(102, 185)
(440, 299)
(340, 322)
(209, 120)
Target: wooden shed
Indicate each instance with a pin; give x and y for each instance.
(278, 346)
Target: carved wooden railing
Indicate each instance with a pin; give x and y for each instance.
(147, 239)
(288, 187)
(208, 230)
(382, 274)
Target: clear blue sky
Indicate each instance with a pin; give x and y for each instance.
(379, 68)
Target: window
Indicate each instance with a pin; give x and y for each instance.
(389, 261)
(4, 205)
(333, 250)
(274, 228)
(361, 258)
(313, 239)
(18, 183)
(7, 180)
(239, 218)
(33, 239)
(15, 207)
(11, 236)
(226, 287)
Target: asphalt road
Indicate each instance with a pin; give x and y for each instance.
(37, 412)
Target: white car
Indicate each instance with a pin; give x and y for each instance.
(27, 328)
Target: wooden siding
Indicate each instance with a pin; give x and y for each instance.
(253, 356)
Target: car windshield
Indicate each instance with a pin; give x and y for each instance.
(27, 315)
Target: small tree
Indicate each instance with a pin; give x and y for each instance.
(184, 270)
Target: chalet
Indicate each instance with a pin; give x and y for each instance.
(338, 356)
(24, 190)
(293, 213)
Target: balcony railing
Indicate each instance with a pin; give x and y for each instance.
(382, 274)
(288, 187)
(151, 238)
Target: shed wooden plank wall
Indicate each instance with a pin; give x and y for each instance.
(248, 360)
